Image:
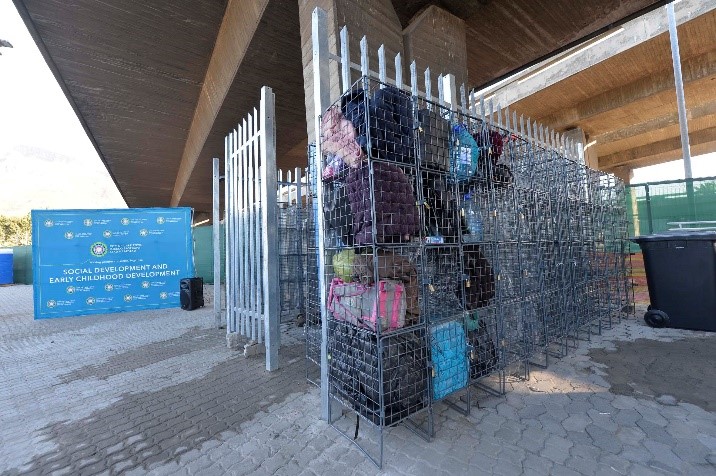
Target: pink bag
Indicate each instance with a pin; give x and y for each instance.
(339, 138)
(362, 304)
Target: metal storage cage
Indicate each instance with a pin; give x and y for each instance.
(460, 244)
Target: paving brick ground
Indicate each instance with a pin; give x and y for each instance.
(158, 392)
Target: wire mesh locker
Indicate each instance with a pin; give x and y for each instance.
(459, 243)
(374, 234)
(312, 324)
(292, 260)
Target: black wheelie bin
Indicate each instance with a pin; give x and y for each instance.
(681, 275)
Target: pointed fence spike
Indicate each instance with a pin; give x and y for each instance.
(382, 75)
(398, 71)
(440, 89)
(345, 60)
(364, 57)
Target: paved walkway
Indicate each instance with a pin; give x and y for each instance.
(158, 392)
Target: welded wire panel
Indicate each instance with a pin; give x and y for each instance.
(384, 380)
(500, 244)
(374, 233)
(292, 259)
(443, 283)
(481, 326)
(515, 334)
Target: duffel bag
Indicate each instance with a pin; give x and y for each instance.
(364, 305)
(393, 267)
(433, 140)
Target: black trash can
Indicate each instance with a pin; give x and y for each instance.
(681, 275)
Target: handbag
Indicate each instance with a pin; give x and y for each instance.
(364, 305)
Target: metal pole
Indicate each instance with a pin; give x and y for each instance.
(321, 101)
(269, 241)
(216, 245)
(648, 209)
(680, 100)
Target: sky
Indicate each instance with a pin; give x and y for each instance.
(39, 127)
(47, 161)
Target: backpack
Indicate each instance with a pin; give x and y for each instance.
(368, 306)
(337, 211)
(433, 140)
(390, 266)
(480, 283)
(393, 198)
(390, 123)
(464, 154)
(355, 371)
(440, 211)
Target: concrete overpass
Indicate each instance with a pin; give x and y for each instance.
(158, 84)
(616, 92)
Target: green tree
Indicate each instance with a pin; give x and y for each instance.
(15, 231)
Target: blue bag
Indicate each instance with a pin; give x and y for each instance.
(448, 348)
(464, 153)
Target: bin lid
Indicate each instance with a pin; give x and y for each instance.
(676, 235)
(5, 251)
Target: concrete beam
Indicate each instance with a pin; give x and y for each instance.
(700, 149)
(240, 21)
(694, 69)
(664, 148)
(600, 49)
(654, 124)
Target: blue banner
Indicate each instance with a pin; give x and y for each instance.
(101, 261)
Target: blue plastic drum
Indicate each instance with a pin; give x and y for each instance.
(5, 266)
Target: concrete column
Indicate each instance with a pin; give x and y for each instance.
(435, 38)
(591, 159)
(376, 19)
(625, 173)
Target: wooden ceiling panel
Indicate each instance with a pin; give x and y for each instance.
(504, 36)
(134, 72)
(273, 59)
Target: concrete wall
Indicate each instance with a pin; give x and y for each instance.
(434, 38)
(375, 19)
